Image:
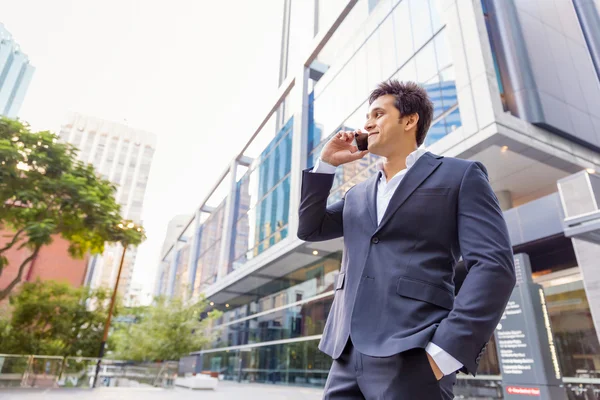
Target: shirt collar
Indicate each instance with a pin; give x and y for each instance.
(410, 161)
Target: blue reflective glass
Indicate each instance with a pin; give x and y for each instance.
(262, 205)
(435, 94)
(453, 121)
(436, 132)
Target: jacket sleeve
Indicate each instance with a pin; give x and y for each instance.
(488, 257)
(317, 222)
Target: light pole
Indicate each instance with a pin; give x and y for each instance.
(111, 307)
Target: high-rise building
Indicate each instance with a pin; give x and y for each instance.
(515, 85)
(174, 228)
(122, 155)
(15, 74)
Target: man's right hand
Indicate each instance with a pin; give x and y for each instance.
(340, 150)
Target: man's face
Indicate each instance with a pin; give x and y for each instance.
(384, 126)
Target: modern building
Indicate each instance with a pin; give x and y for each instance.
(515, 85)
(15, 74)
(122, 155)
(174, 228)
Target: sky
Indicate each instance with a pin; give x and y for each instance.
(200, 74)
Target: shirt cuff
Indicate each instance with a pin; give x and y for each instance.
(445, 362)
(321, 167)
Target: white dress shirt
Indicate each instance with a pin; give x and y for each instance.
(385, 190)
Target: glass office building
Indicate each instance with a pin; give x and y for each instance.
(503, 94)
(15, 74)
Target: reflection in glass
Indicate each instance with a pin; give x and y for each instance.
(298, 363)
(293, 322)
(262, 205)
(404, 39)
(575, 337)
(420, 22)
(309, 281)
(209, 246)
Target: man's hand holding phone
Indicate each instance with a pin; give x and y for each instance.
(341, 150)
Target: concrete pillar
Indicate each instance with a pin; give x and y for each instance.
(193, 255)
(588, 259)
(299, 146)
(580, 198)
(505, 199)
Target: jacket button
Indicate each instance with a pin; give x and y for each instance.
(375, 240)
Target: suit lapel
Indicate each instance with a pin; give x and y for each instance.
(371, 194)
(415, 176)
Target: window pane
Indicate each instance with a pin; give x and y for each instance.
(436, 20)
(442, 51)
(421, 22)
(373, 61)
(426, 64)
(387, 48)
(573, 328)
(262, 207)
(436, 132)
(408, 72)
(403, 33)
(453, 121)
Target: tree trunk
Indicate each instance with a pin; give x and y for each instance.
(6, 291)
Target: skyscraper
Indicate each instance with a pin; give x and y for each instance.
(15, 74)
(122, 155)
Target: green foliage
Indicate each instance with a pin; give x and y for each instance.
(46, 191)
(167, 330)
(52, 318)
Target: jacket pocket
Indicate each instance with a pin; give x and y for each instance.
(441, 191)
(424, 291)
(339, 281)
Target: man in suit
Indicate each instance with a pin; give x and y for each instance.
(396, 330)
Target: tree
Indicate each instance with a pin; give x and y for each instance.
(54, 318)
(166, 330)
(45, 191)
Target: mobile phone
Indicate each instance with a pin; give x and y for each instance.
(362, 141)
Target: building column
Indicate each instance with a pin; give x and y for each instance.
(193, 255)
(580, 198)
(228, 222)
(589, 19)
(505, 199)
(299, 146)
(588, 256)
(172, 272)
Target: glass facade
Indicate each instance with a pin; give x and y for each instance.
(263, 200)
(302, 285)
(409, 43)
(298, 363)
(208, 253)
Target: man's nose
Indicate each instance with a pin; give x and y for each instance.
(369, 125)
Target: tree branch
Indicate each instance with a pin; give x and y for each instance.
(13, 241)
(4, 292)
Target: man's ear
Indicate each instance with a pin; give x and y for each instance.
(410, 121)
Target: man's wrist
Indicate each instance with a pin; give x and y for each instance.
(446, 363)
(323, 167)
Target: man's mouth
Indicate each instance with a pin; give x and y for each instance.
(373, 133)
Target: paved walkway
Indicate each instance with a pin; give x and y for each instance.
(225, 391)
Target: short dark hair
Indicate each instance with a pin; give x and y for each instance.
(410, 99)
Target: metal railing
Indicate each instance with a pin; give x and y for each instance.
(36, 371)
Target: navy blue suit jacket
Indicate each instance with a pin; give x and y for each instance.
(395, 289)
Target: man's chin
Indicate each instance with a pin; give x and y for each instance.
(374, 149)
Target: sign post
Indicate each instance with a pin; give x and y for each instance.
(525, 344)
